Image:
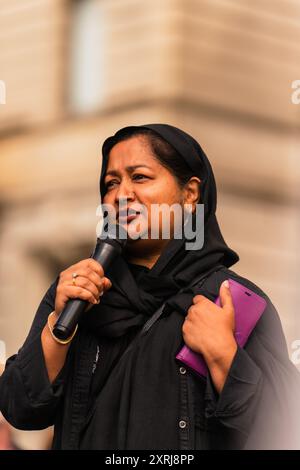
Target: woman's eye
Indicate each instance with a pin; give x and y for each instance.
(139, 176)
(111, 184)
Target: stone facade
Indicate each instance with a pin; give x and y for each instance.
(77, 71)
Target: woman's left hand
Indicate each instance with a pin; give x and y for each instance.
(209, 329)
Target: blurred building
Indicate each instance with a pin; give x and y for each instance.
(75, 71)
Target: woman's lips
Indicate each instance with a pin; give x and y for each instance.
(127, 217)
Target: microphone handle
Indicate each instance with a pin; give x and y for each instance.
(104, 253)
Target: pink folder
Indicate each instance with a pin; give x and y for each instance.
(248, 307)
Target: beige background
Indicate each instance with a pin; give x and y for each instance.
(76, 71)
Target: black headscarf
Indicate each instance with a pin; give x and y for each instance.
(128, 304)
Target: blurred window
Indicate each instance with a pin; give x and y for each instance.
(86, 59)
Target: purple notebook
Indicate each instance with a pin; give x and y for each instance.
(248, 309)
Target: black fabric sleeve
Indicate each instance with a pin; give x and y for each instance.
(238, 397)
(27, 398)
(259, 399)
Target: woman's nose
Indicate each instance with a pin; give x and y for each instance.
(124, 192)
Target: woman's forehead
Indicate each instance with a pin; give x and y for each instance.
(130, 153)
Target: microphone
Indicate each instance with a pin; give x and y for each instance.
(106, 250)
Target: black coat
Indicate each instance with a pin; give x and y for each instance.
(111, 397)
(256, 408)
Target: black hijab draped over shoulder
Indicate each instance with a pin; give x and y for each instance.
(127, 304)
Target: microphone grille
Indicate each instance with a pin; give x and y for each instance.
(114, 232)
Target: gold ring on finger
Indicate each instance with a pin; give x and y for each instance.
(74, 275)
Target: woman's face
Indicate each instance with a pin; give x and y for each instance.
(136, 180)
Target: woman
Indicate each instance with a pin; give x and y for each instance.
(110, 387)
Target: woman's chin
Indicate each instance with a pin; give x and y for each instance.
(135, 230)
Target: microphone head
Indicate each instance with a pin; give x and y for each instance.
(115, 233)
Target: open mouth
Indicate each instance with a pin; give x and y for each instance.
(126, 216)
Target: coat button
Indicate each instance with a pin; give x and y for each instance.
(182, 370)
(182, 424)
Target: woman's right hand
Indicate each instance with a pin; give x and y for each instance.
(90, 284)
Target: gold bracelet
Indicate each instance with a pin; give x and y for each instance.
(60, 341)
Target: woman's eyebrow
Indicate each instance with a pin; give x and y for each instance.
(129, 169)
